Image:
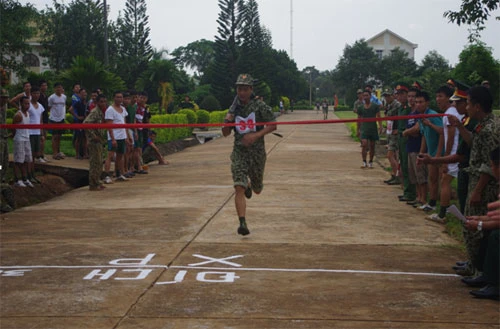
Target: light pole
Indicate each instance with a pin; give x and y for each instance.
(310, 87)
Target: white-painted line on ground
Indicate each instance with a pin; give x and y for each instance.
(249, 269)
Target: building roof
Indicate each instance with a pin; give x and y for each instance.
(414, 45)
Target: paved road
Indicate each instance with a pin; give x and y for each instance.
(329, 248)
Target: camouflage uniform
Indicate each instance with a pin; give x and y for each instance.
(485, 138)
(249, 162)
(95, 138)
(393, 139)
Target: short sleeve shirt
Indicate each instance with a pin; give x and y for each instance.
(57, 106)
(430, 135)
(118, 118)
(365, 113)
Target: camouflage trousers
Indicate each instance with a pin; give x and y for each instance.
(249, 164)
(95, 164)
(473, 239)
(7, 201)
(4, 157)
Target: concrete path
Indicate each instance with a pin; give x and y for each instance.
(330, 247)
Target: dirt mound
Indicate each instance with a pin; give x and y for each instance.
(50, 187)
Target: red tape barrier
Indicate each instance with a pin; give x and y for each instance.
(73, 126)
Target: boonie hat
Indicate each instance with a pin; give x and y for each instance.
(387, 92)
(244, 80)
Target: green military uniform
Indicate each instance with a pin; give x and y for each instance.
(463, 175)
(369, 130)
(4, 135)
(393, 138)
(96, 138)
(249, 162)
(485, 138)
(409, 190)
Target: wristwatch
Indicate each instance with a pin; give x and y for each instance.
(480, 226)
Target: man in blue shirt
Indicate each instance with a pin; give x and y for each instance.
(431, 129)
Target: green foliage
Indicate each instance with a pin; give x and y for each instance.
(171, 134)
(210, 103)
(342, 108)
(135, 49)
(200, 93)
(91, 73)
(395, 66)
(11, 112)
(263, 90)
(202, 116)
(190, 114)
(218, 116)
(286, 102)
(196, 55)
(71, 30)
(15, 31)
(476, 64)
(473, 12)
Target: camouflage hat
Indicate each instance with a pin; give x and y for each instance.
(4, 93)
(360, 91)
(387, 92)
(244, 80)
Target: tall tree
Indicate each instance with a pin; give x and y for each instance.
(476, 64)
(474, 13)
(355, 68)
(15, 29)
(252, 46)
(395, 66)
(434, 71)
(223, 71)
(135, 50)
(196, 55)
(73, 29)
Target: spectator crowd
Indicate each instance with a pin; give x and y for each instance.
(427, 153)
(125, 147)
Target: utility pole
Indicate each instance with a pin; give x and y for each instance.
(106, 51)
(291, 29)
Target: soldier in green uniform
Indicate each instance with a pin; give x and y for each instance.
(96, 139)
(483, 186)
(392, 109)
(248, 158)
(407, 99)
(7, 202)
(369, 132)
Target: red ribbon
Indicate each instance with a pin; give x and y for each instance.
(73, 126)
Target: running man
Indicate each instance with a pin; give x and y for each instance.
(248, 159)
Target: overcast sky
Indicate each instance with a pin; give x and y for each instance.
(321, 28)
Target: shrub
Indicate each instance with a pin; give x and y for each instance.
(210, 103)
(191, 115)
(286, 102)
(217, 116)
(343, 108)
(11, 112)
(203, 116)
(166, 135)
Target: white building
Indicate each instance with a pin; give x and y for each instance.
(386, 41)
(33, 60)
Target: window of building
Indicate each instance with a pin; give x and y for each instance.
(31, 60)
(379, 53)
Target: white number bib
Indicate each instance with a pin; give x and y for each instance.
(390, 125)
(246, 125)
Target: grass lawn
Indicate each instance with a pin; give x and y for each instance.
(66, 147)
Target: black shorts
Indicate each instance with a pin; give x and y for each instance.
(57, 131)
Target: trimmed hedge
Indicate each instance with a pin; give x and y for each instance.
(171, 134)
(191, 115)
(218, 116)
(203, 116)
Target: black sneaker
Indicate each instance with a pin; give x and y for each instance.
(243, 229)
(248, 192)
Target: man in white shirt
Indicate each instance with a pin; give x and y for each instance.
(57, 108)
(35, 111)
(115, 114)
(449, 140)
